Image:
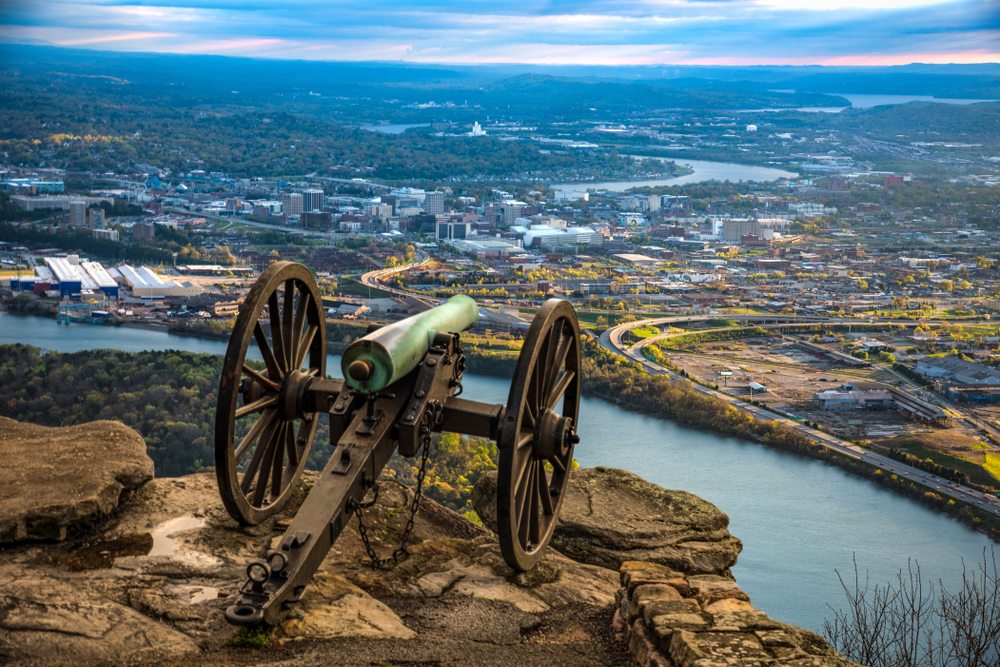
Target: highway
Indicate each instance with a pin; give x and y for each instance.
(611, 340)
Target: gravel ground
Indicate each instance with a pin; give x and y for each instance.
(455, 631)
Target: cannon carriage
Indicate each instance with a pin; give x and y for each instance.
(402, 383)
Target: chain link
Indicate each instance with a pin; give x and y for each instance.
(431, 419)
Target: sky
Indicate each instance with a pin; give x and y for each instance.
(558, 32)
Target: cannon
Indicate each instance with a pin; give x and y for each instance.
(402, 383)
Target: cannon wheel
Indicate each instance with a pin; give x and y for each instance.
(257, 471)
(538, 434)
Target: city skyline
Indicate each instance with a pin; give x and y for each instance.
(594, 32)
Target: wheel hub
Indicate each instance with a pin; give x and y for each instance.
(292, 388)
(552, 436)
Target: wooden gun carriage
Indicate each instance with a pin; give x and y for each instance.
(401, 384)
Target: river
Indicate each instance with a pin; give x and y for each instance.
(798, 518)
(703, 171)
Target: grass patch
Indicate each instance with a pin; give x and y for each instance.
(644, 332)
(992, 464)
(354, 287)
(252, 638)
(963, 453)
(721, 322)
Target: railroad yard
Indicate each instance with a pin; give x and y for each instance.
(792, 377)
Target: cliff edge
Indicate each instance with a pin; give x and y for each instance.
(146, 582)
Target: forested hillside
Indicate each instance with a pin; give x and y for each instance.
(170, 397)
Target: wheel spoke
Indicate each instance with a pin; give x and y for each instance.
(265, 467)
(276, 340)
(557, 464)
(525, 439)
(286, 325)
(301, 312)
(278, 461)
(521, 467)
(550, 371)
(535, 387)
(262, 422)
(520, 484)
(258, 454)
(560, 389)
(304, 345)
(293, 448)
(261, 378)
(273, 369)
(256, 406)
(559, 360)
(527, 499)
(534, 527)
(543, 490)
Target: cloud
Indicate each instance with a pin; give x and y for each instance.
(557, 32)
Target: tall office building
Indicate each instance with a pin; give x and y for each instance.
(511, 210)
(95, 217)
(434, 203)
(77, 213)
(143, 231)
(291, 204)
(378, 210)
(737, 228)
(313, 200)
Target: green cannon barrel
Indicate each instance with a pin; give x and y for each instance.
(376, 361)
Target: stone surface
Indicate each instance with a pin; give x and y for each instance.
(149, 585)
(63, 621)
(612, 516)
(697, 628)
(338, 608)
(55, 478)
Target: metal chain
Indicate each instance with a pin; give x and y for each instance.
(432, 418)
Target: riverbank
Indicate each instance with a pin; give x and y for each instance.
(663, 397)
(605, 376)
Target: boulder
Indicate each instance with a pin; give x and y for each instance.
(55, 478)
(611, 516)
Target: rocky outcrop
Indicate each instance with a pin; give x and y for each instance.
(670, 619)
(611, 516)
(149, 582)
(55, 478)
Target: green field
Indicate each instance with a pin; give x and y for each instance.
(986, 473)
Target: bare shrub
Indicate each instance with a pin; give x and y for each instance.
(910, 623)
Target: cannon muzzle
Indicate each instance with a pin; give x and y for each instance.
(379, 359)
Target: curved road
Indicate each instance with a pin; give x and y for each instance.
(611, 340)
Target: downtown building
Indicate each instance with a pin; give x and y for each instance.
(291, 204)
(313, 200)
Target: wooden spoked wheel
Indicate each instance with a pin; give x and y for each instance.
(538, 433)
(262, 434)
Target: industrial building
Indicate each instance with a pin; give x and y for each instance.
(959, 371)
(853, 400)
(146, 284)
(59, 203)
(544, 236)
(75, 279)
(102, 278)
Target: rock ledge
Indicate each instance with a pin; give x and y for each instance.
(55, 478)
